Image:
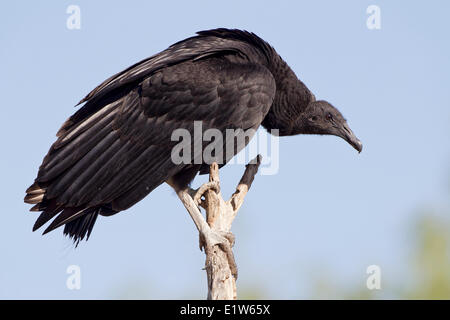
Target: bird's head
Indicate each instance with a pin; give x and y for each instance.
(320, 117)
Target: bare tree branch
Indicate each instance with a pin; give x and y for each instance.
(215, 236)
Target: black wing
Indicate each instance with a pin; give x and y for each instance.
(206, 43)
(117, 148)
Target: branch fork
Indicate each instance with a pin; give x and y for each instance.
(215, 236)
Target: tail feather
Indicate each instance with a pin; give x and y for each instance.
(78, 221)
(66, 216)
(81, 227)
(49, 210)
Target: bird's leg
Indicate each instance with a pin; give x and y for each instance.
(208, 236)
(193, 210)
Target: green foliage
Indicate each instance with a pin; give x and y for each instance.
(431, 260)
(427, 276)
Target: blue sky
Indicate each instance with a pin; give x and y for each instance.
(328, 209)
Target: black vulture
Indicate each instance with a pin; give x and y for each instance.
(116, 148)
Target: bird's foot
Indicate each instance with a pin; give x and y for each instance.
(217, 235)
(200, 192)
(225, 240)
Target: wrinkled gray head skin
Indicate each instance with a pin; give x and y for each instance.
(320, 117)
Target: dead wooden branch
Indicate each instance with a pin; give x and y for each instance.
(215, 232)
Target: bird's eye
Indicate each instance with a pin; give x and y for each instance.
(329, 116)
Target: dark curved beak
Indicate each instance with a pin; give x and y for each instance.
(347, 134)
